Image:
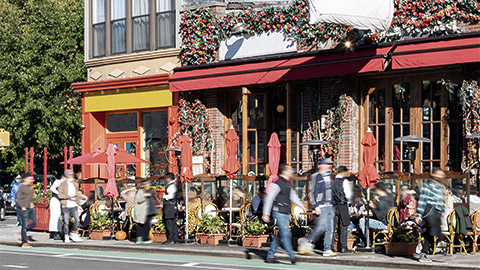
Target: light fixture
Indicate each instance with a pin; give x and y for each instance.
(348, 44)
(239, 27)
(280, 108)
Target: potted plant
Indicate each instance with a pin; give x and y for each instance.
(159, 231)
(211, 230)
(404, 240)
(351, 238)
(100, 226)
(252, 232)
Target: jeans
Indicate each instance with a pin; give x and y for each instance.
(25, 216)
(68, 212)
(284, 235)
(372, 224)
(323, 224)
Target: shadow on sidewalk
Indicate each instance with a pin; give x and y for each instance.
(252, 253)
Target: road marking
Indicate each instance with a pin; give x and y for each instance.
(190, 264)
(62, 255)
(15, 266)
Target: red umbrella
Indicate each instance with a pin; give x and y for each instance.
(273, 159)
(186, 159)
(111, 189)
(369, 175)
(81, 159)
(231, 165)
(122, 157)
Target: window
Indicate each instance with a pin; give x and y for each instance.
(122, 122)
(155, 129)
(140, 25)
(401, 125)
(376, 123)
(118, 24)
(98, 28)
(165, 16)
(431, 124)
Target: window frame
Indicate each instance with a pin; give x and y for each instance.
(112, 32)
(173, 11)
(92, 28)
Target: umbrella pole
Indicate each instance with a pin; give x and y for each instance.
(113, 220)
(186, 210)
(230, 216)
(367, 230)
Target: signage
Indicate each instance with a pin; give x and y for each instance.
(4, 138)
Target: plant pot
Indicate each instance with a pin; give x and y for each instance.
(159, 237)
(210, 239)
(254, 240)
(400, 249)
(350, 243)
(99, 234)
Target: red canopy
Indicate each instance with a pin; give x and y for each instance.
(298, 66)
(81, 159)
(273, 159)
(122, 157)
(369, 175)
(231, 165)
(111, 190)
(186, 158)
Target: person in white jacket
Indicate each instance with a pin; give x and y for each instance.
(55, 224)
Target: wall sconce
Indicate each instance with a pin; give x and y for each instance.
(280, 108)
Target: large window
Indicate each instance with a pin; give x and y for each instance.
(141, 25)
(155, 125)
(98, 28)
(122, 122)
(431, 127)
(119, 24)
(401, 125)
(165, 14)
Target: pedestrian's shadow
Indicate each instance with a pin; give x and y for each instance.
(253, 253)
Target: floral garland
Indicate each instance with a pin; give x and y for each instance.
(195, 121)
(334, 128)
(202, 31)
(469, 96)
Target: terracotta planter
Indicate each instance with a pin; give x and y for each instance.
(210, 239)
(42, 215)
(99, 234)
(254, 240)
(401, 249)
(159, 237)
(350, 243)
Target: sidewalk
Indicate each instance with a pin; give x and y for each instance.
(8, 236)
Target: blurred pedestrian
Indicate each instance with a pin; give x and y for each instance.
(170, 211)
(277, 204)
(69, 196)
(85, 217)
(145, 210)
(256, 205)
(431, 208)
(55, 223)
(380, 206)
(25, 207)
(321, 195)
(341, 196)
(13, 196)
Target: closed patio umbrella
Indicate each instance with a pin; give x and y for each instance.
(273, 159)
(231, 166)
(186, 171)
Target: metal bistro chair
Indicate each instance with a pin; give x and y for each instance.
(475, 217)
(130, 213)
(297, 216)
(451, 235)
(392, 219)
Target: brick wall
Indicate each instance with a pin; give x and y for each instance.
(214, 102)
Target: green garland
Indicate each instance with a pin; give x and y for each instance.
(195, 122)
(202, 31)
(469, 99)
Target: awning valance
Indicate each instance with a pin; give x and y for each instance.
(457, 50)
(296, 67)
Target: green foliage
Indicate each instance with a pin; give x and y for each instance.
(38, 193)
(100, 221)
(211, 225)
(253, 226)
(41, 54)
(159, 226)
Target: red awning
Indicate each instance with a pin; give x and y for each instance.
(262, 71)
(457, 50)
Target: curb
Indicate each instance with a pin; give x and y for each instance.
(253, 254)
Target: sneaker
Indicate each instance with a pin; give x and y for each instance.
(272, 260)
(76, 238)
(423, 258)
(346, 251)
(26, 245)
(329, 253)
(147, 242)
(304, 247)
(67, 239)
(293, 261)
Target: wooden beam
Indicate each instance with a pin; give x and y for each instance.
(245, 93)
(289, 124)
(388, 127)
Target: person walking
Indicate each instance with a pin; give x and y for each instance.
(430, 209)
(321, 199)
(170, 211)
(277, 205)
(13, 197)
(55, 223)
(69, 199)
(25, 207)
(341, 196)
(145, 210)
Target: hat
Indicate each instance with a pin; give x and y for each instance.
(326, 161)
(67, 172)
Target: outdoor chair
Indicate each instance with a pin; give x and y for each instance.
(392, 220)
(475, 217)
(298, 216)
(130, 213)
(451, 235)
(210, 209)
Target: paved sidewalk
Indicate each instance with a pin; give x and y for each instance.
(9, 236)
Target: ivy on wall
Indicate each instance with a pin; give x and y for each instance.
(202, 31)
